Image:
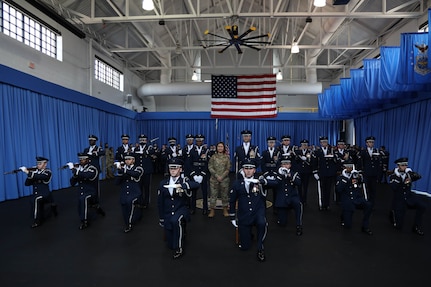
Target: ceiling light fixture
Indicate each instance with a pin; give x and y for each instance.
(279, 76)
(319, 3)
(295, 48)
(147, 5)
(194, 76)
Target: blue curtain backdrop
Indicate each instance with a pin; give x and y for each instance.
(404, 131)
(165, 125)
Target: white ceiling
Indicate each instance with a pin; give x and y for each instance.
(338, 37)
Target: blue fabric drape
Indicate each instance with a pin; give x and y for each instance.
(37, 125)
(402, 130)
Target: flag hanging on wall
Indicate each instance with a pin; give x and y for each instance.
(242, 97)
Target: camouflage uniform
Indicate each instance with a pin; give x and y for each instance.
(219, 165)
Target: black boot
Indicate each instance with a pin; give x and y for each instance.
(299, 230)
(416, 229)
(84, 224)
(100, 211)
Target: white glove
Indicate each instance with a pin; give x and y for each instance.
(303, 157)
(174, 154)
(89, 153)
(117, 164)
(234, 223)
(241, 171)
(23, 168)
(408, 169)
(198, 178)
(270, 177)
(70, 165)
(282, 170)
(316, 176)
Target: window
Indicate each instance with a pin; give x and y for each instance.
(423, 27)
(28, 30)
(108, 75)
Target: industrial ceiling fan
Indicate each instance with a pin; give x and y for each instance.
(235, 39)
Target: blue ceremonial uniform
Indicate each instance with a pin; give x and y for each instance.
(130, 194)
(199, 158)
(251, 201)
(288, 196)
(303, 165)
(144, 158)
(370, 163)
(351, 191)
(173, 209)
(403, 198)
(40, 179)
(86, 178)
(325, 166)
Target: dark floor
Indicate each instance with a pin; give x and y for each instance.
(59, 254)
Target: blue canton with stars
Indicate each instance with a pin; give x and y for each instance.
(224, 86)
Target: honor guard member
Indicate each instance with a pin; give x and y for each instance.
(304, 167)
(172, 151)
(173, 200)
(188, 162)
(285, 148)
(287, 194)
(249, 196)
(370, 166)
(85, 176)
(199, 158)
(350, 189)
(246, 151)
(124, 149)
(401, 185)
(143, 157)
(325, 172)
(270, 158)
(342, 155)
(39, 178)
(94, 152)
(129, 177)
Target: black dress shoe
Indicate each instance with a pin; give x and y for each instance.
(299, 230)
(84, 224)
(418, 230)
(128, 228)
(261, 255)
(205, 211)
(367, 231)
(192, 211)
(178, 253)
(35, 224)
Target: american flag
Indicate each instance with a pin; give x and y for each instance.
(242, 97)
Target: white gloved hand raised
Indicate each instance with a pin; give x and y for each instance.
(70, 165)
(23, 169)
(117, 164)
(198, 178)
(233, 221)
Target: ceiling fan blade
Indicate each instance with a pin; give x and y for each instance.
(251, 29)
(224, 49)
(229, 30)
(209, 33)
(256, 42)
(214, 45)
(256, 37)
(238, 48)
(250, 46)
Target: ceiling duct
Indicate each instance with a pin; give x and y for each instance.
(175, 89)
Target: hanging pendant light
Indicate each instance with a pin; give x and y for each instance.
(147, 5)
(319, 3)
(295, 48)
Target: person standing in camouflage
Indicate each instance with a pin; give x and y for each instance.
(219, 166)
